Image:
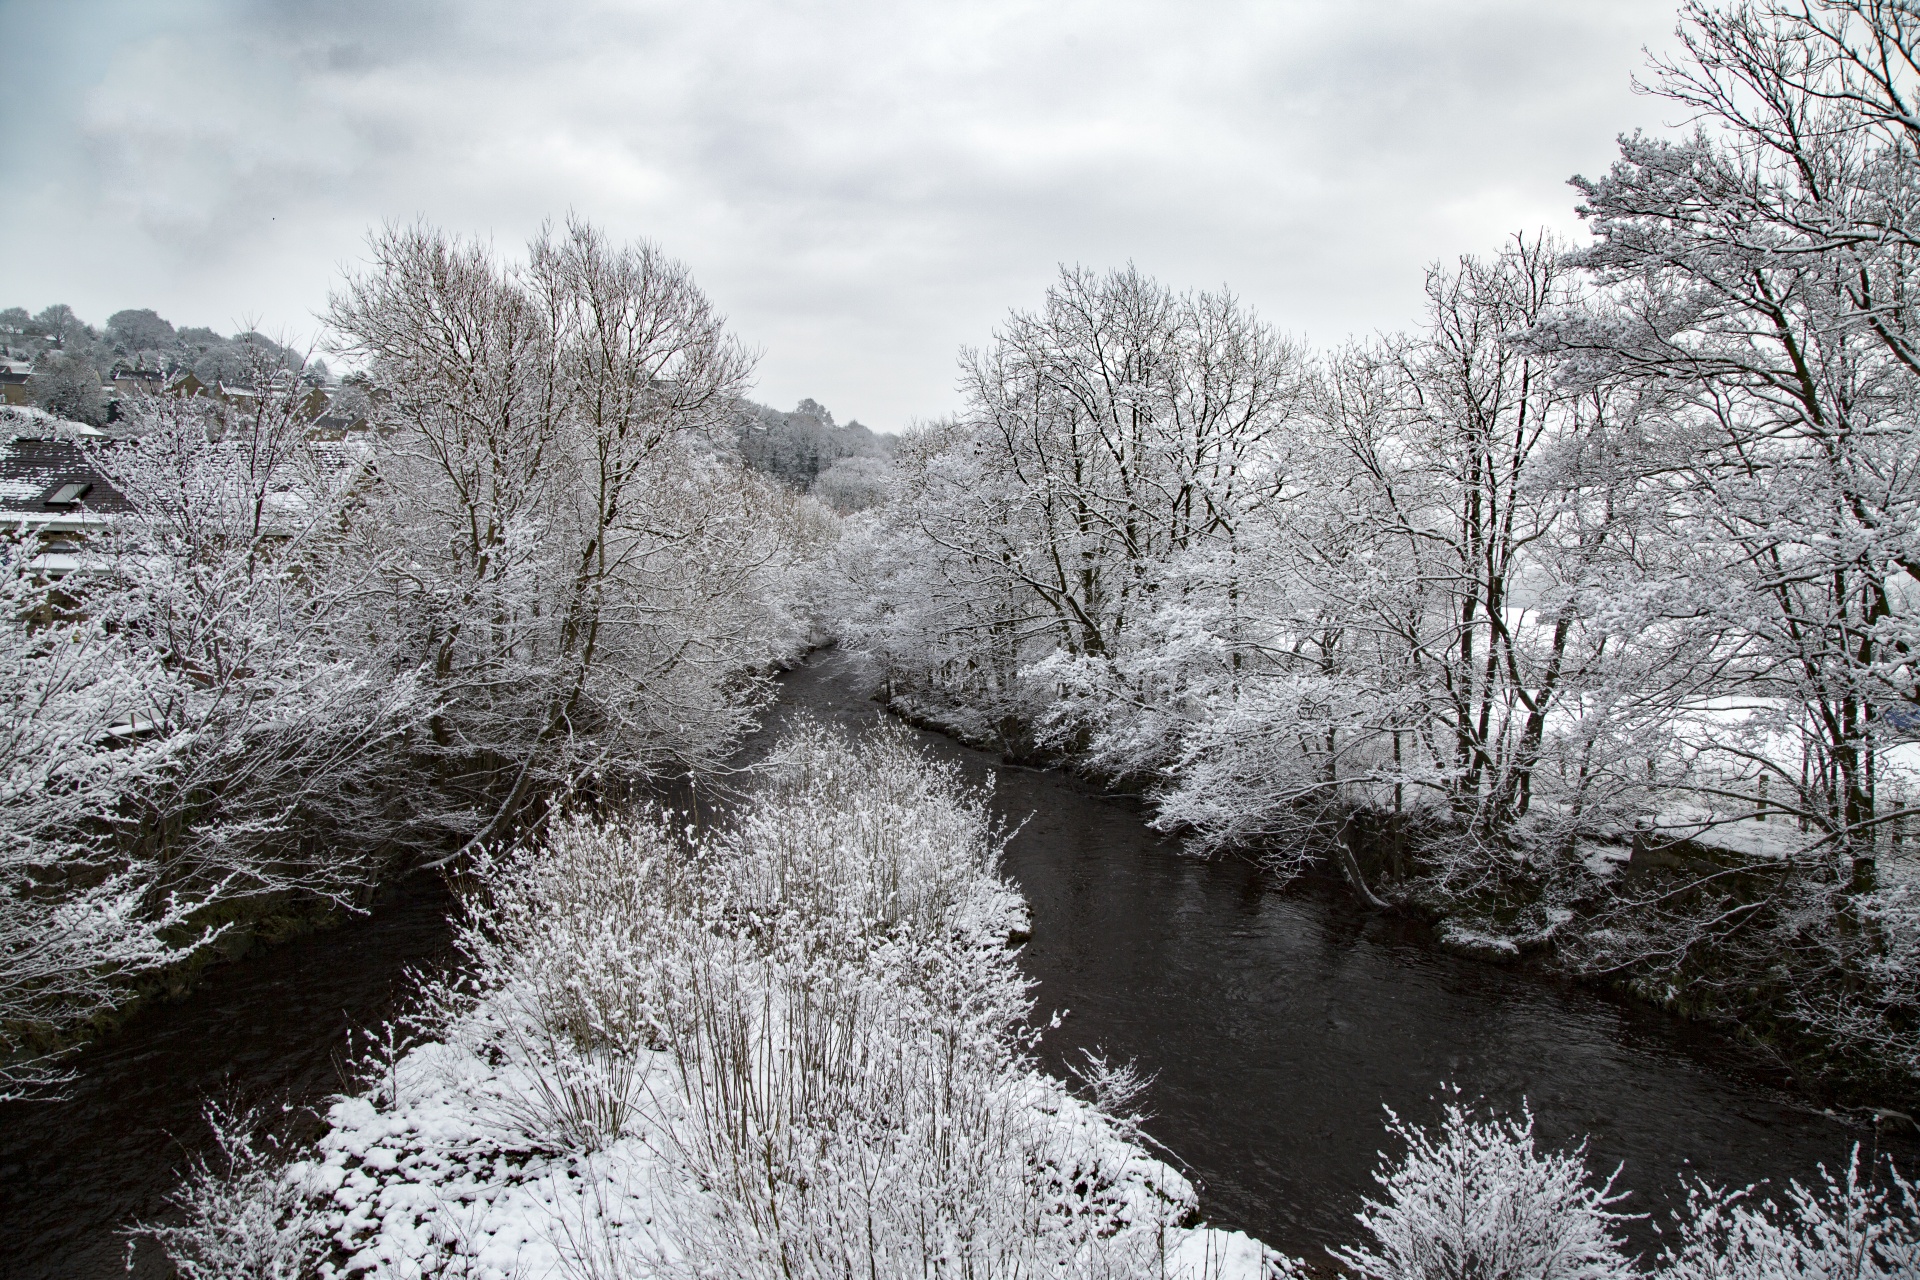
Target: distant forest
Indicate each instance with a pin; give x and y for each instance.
(845, 467)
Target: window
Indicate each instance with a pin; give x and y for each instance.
(67, 494)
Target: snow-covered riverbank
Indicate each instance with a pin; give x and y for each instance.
(789, 1049)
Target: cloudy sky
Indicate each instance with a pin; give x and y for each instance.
(862, 185)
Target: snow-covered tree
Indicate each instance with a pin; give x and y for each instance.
(1456, 618)
(231, 575)
(1113, 435)
(1761, 274)
(580, 574)
(295, 662)
(80, 910)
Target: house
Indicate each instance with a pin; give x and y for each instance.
(245, 399)
(334, 416)
(137, 379)
(334, 427)
(328, 415)
(50, 489)
(186, 385)
(13, 381)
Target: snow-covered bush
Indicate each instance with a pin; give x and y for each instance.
(851, 1068)
(1473, 1199)
(571, 941)
(867, 836)
(238, 1216)
(841, 1118)
(1856, 1230)
(793, 1047)
(1875, 954)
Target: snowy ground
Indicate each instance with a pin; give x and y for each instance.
(431, 1186)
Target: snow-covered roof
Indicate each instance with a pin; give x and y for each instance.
(23, 421)
(52, 479)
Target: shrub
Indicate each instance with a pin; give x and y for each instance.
(1474, 1200)
(240, 1215)
(849, 1057)
(1838, 1231)
(572, 943)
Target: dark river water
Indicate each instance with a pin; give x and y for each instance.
(266, 1030)
(1279, 1021)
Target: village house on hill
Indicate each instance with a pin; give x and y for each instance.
(50, 488)
(13, 381)
(329, 415)
(185, 384)
(137, 379)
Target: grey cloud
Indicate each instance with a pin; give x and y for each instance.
(862, 185)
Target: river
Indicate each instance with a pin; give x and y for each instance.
(268, 1029)
(1278, 1021)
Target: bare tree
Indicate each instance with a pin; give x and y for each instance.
(565, 552)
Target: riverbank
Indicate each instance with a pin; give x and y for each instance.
(1666, 921)
(1280, 1015)
(1760, 949)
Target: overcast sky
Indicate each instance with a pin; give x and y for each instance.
(862, 185)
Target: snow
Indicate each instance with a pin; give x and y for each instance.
(432, 1184)
(1208, 1253)
(1466, 940)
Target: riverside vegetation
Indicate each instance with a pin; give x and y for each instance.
(1580, 618)
(793, 1048)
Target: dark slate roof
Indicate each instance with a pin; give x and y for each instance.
(31, 471)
